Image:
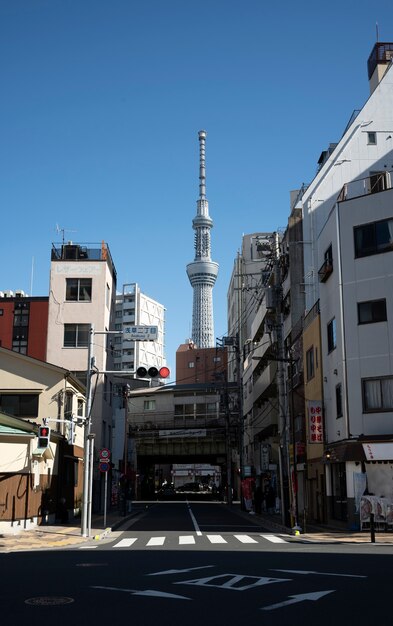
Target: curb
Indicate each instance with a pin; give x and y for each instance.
(104, 534)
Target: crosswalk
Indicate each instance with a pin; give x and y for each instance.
(193, 540)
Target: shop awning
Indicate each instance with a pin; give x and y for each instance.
(378, 451)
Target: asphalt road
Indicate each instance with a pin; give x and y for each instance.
(267, 579)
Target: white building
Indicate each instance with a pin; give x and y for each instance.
(134, 308)
(348, 222)
(82, 292)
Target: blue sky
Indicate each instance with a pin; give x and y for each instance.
(101, 105)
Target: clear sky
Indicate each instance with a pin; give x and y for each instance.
(101, 104)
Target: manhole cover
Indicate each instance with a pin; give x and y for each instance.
(49, 600)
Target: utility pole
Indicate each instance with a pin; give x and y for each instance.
(88, 442)
(283, 425)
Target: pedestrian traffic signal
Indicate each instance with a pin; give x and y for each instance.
(43, 436)
(152, 372)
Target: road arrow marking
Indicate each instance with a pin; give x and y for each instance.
(299, 571)
(144, 592)
(301, 597)
(178, 571)
(160, 594)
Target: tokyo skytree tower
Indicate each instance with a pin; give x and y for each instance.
(202, 273)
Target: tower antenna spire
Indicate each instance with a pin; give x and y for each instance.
(202, 272)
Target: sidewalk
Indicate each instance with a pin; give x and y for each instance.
(320, 533)
(63, 535)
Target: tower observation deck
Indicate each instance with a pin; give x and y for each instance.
(202, 272)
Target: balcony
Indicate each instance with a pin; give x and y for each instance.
(377, 182)
(325, 270)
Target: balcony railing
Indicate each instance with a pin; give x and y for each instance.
(380, 181)
(325, 271)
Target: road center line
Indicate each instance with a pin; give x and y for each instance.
(197, 529)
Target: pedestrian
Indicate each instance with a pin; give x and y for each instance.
(270, 500)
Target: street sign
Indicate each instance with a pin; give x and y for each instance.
(105, 454)
(104, 466)
(140, 333)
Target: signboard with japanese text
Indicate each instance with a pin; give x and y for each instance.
(315, 421)
(140, 333)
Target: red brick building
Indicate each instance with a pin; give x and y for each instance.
(24, 323)
(200, 365)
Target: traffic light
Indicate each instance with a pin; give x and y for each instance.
(152, 372)
(43, 436)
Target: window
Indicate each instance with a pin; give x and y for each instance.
(339, 401)
(310, 370)
(378, 394)
(119, 314)
(19, 345)
(118, 326)
(1, 312)
(78, 289)
(372, 139)
(373, 238)
(68, 405)
(331, 335)
(216, 359)
(19, 404)
(108, 296)
(76, 335)
(80, 410)
(372, 311)
(149, 405)
(21, 316)
(378, 181)
(191, 364)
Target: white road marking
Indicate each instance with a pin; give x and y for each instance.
(156, 541)
(299, 571)
(178, 571)
(196, 526)
(274, 539)
(88, 547)
(186, 539)
(216, 539)
(301, 597)
(125, 543)
(144, 592)
(245, 539)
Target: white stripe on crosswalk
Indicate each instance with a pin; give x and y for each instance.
(125, 543)
(88, 547)
(245, 539)
(186, 539)
(216, 539)
(156, 541)
(274, 539)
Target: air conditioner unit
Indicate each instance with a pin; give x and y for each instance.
(20, 294)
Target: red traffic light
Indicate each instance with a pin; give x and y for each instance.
(164, 372)
(153, 372)
(43, 436)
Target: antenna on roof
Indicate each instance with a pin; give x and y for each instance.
(64, 230)
(376, 26)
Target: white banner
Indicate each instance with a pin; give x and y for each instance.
(183, 433)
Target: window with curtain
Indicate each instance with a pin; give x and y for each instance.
(378, 394)
(372, 311)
